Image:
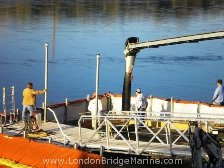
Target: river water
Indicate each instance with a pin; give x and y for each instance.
(77, 30)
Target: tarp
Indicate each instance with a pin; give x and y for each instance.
(45, 155)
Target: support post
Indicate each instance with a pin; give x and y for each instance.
(136, 132)
(97, 83)
(172, 104)
(170, 139)
(150, 107)
(198, 109)
(45, 82)
(130, 56)
(66, 111)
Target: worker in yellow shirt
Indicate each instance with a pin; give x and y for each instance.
(29, 99)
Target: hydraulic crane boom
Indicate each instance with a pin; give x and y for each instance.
(133, 46)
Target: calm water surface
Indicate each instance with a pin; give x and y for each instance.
(78, 30)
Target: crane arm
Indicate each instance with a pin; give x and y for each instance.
(173, 41)
(133, 46)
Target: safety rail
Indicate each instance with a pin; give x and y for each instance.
(8, 101)
(114, 130)
(63, 134)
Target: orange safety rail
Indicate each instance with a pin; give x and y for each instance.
(44, 155)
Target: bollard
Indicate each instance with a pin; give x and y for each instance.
(66, 101)
(1, 130)
(18, 117)
(88, 97)
(39, 119)
(24, 134)
(101, 150)
(76, 146)
(49, 140)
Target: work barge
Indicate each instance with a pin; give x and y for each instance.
(163, 129)
(166, 128)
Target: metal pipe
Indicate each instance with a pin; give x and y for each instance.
(136, 133)
(107, 133)
(170, 139)
(172, 104)
(66, 110)
(13, 105)
(150, 103)
(129, 65)
(4, 99)
(46, 82)
(97, 81)
(198, 109)
(80, 130)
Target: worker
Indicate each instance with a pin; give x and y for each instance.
(140, 105)
(92, 108)
(29, 99)
(218, 97)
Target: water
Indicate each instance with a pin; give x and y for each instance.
(78, 30)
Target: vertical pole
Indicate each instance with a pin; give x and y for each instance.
(150, 107)
(107, 133)
(198, 109)
(4, 99)
(45, 82)
(4, 103)
(97, 82)
(136, 133)
(170, 139)
(13, 113)
(66, 110)
(172, 104)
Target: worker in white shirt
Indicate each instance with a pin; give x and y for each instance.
(92, 108)
(140, 103)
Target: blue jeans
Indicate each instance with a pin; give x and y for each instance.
(30, 108)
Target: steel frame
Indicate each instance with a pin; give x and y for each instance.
(107, 125)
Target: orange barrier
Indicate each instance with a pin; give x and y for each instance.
(44, 155)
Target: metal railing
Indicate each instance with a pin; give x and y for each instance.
(8, 101)
(113, 126)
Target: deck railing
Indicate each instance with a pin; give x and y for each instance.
(128, 127)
